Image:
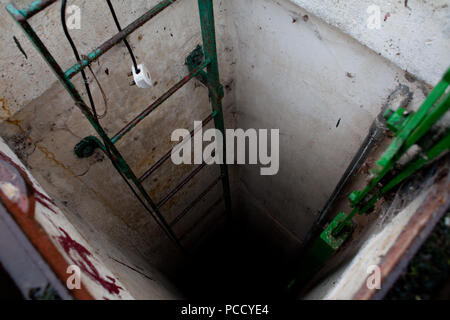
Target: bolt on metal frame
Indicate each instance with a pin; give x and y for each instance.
(210, 78)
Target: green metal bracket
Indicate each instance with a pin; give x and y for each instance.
(335, 241)
(86, 147)
(195, 59)
(322, 249)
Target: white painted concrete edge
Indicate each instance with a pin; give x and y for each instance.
(414, 35)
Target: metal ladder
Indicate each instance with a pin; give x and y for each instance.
(197, 62)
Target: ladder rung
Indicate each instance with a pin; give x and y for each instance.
(30, 10)
(194, 203)
(181, 185)
(207, 213)
(108, 44)
(158, 102)
(169, 153)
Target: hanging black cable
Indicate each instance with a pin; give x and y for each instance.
(125, 41)
(77, 57)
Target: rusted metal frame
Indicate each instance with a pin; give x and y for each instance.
(32, 9)
(158, 102)
(166, 157)
(207, 213)
(113, 154)
(172, 193)
(194, 203)
(215, 88)
(119, 37)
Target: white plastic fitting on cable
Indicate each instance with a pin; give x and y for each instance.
(142, 79)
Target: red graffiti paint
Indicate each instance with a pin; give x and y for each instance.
(80, 256)
(42, 202)
(386, 16)
(19, 195)
(25, 186)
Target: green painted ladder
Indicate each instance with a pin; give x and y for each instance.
(200, 59)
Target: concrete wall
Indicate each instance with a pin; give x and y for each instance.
(106, 272)
(41, 124)
(322, 89)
